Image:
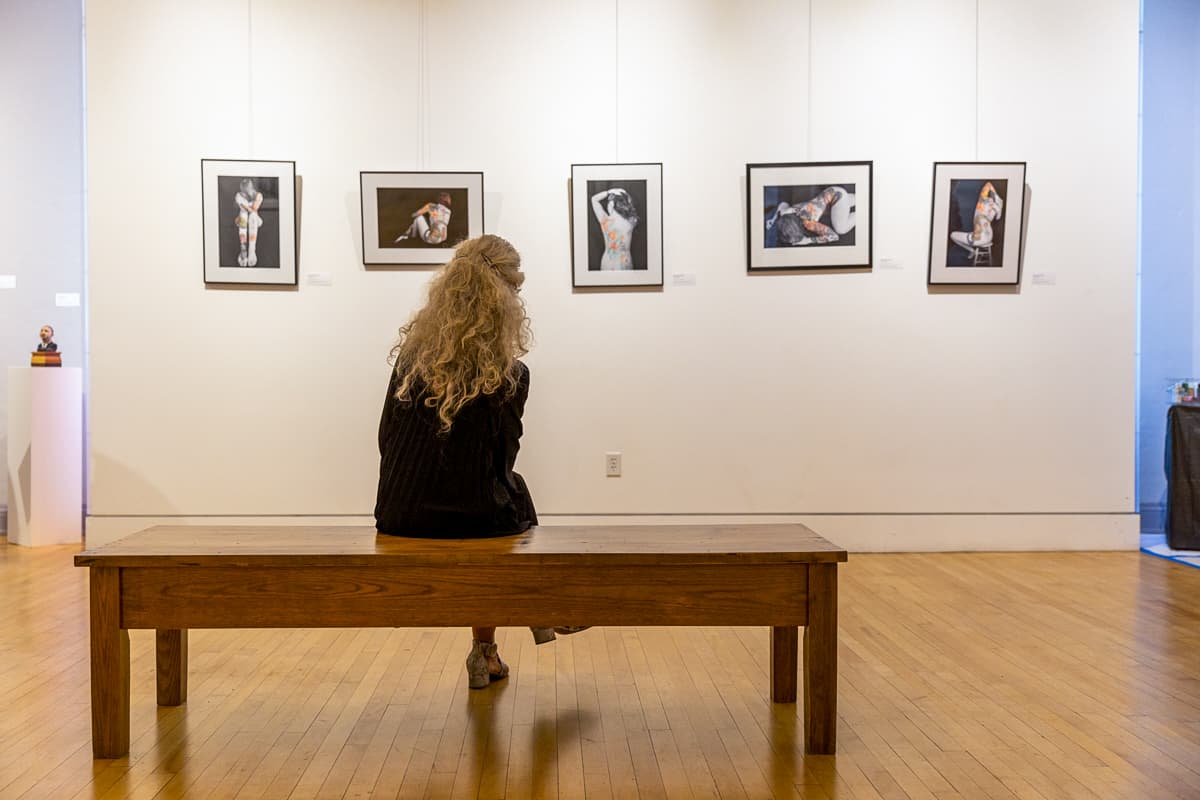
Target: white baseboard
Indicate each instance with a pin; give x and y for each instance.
(860, 533)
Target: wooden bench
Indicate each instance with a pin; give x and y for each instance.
(175, 578)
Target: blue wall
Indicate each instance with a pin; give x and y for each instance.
(1170, 228)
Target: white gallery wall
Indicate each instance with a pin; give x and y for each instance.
(886, 415)
(41, 189)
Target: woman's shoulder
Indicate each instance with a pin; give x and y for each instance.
(522, 372)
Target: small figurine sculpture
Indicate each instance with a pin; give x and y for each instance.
(47, 354)
(47, 345)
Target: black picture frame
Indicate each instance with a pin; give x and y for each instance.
(254, 244)
(956, 256)
(389, 202)
(782, 233)
(619, 193)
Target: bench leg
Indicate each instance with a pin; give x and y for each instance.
(820, 661)
(170, 655)
(784, 652)
(110, 666)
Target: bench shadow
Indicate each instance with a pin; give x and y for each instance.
(544, 739)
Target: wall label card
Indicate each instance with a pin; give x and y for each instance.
(66, 299)
(8, 281)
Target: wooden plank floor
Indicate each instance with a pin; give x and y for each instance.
(961, 676)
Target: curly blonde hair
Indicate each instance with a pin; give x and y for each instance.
(466, 340)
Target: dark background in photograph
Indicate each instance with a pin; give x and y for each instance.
(396, 209)
(596, 243)
(796, 196)
(267, 248)
(964, 194)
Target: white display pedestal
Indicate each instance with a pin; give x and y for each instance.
(45, 455)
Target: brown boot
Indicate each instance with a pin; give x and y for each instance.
(484, 665)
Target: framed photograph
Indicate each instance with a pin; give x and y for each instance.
(616, 225)
(808, 216)
(249, 221)
(418, 218)
(975, 236)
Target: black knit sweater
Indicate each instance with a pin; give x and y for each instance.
(454, 485)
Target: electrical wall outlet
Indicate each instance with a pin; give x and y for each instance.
(612, 465)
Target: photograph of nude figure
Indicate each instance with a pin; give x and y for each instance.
(976, 222)
(421, 218)
(977, 226)
(614, 241)
(250, 234)
(809, 216)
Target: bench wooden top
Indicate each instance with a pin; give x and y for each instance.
(227, 545)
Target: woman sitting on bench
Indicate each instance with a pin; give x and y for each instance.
(451, 422)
